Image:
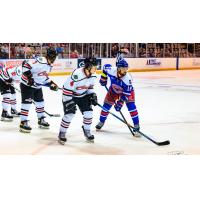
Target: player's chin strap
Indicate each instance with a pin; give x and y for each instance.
(51, 115)
(167, 142)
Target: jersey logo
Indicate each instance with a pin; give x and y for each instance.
(82, 87)
(71, 83)
(117, 89)
(75, 77)
(14, 73)
(43, 74)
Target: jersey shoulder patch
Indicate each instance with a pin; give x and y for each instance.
(77, 75)
(41, 60)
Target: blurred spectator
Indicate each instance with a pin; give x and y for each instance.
(114, 50)
(60, 51)
(74, 54)
(4, 51)
(28, 51)
(157, 50)
(20, 51)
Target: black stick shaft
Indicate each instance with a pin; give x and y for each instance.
(144, 135)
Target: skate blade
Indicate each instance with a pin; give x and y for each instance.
(89, 141)
(61, 142)
(43, 127)
(137, 135)
(15, 115)
(6, 120)
(24, 131)
(99, 130)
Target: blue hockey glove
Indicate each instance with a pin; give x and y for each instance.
(118, 105)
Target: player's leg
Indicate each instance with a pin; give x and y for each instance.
(5, 91)
(133, 113)
(39, 107)
(27, 94)
(13, 103)
(85, 107)
(69, 113)
(108, 103)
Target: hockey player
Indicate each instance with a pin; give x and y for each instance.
(34, 75)
(78, 90)
(121, 91)
(9, 75)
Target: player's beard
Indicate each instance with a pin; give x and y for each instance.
(121, 74)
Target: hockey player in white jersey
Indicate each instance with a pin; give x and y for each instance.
(34, 76)
(8, 76)
(78, 90)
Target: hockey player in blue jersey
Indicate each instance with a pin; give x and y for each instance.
(120, 91)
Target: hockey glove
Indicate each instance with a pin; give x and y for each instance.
(118, 105)
(69, 105)
(124, 98)
(53, 86)
(93, 99)
(103, 81)
(9, 81)
(30, 81)
(29, 76)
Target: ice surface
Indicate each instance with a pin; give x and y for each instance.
(168, 103)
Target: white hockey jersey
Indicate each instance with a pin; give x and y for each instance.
(11, 72)
(39, 69)
(78, 85)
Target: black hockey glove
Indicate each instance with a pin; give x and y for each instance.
(30, 81)
(9, 81)
(29, 76)
(53, 86)
(93, 99)
(69, 105)
(118, 105)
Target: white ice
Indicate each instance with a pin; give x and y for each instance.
(168, 103)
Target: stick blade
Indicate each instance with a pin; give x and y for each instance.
(56, 115)
(167, 142)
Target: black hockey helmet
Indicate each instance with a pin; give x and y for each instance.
(90, 62)
(51, 54)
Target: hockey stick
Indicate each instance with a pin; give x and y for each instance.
(167, 142)
(51, 115)
(131, 130)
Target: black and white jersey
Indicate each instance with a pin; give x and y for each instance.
(39, 69)
(11, 72)
(78, 84)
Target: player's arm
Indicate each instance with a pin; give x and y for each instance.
(27, 75)
(67, 95)
(103, 80)
(91, 93)
(52, 85)
(5, 76)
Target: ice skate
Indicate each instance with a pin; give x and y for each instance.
(136, 131)
(99, 125)
(42, 123)
(15, 113)
(5, 116)
(61, 138)
(89, 137)
(24, 127)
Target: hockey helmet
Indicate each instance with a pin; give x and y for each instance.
(90, 62)
(51, 54)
